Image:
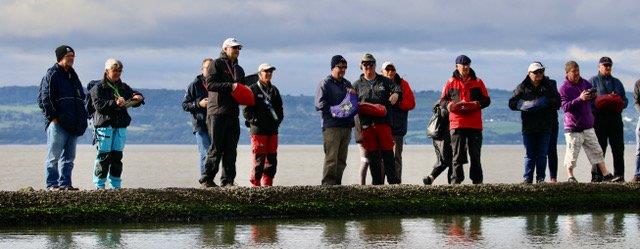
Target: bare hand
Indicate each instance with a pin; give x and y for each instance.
(137, 98)
(233, 88)
(120, 101)
(585, 95)
(54, 120)
(394, 98)
(203, 103)
(351, 90)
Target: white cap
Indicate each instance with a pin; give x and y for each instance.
(112, 63)
(387, 63)
(535, 66)
(230, 42)
(265, 66)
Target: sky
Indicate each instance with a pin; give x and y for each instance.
(162, 43)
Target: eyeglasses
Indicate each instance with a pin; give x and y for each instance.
(368, 64)
(268, 71)
(539, 71)
(237, 47)
(390, 69)
(342, 67)
(116, 70)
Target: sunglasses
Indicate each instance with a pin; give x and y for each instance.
(237, 47)
(368, 64)
(390, 69)
(539, 71)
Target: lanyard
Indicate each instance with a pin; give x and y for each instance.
(232, 70)
(266, 95)
(115, 90)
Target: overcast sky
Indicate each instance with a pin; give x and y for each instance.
(162, 43)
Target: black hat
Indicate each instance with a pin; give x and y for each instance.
(62, 51)
(337, 59)
(606, 60)
(463, 59)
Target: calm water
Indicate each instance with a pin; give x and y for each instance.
(602, 230)
(159, 166)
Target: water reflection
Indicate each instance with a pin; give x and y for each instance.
(109, 237)
(541, 228)
(59, 239)
(466, 230)
(334, 232)
(218, 234)
(387, 230)
(264, 233)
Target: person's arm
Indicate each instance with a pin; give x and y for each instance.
(553, 97)
(484, 101)
(278, 105)
(321, 99)
(394, 89)
(214, 83)
(134, 98)
(569, 103)
(620, 91)
(46, 96)
(515, 99)
(636, 95)
(190, 101)
(102, 100)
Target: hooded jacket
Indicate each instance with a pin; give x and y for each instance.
(398, 118)
(577, 112)
(541, 114)
(61, 96)
(259, 117)
(331, 92)
(222, 74)
(107, 112)
(376, 91)
(196, 91)
(473, 89)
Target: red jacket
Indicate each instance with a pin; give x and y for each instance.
(467, 115)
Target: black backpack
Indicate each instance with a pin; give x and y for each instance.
(437, 128)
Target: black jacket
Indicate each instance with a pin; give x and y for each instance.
(61, 96)
(222, 74)
(196, 91)
(544, 116)
(331, 92)
(398, 118)
(377, 93)
(107, 112)
(259, 117)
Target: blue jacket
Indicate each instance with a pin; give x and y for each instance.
(331, 92)
(61, 96)
(196, 91)
(606, 85)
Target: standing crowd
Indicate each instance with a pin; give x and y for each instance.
(376, 104)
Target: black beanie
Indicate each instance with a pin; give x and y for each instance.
(337, 59)
(62, 51)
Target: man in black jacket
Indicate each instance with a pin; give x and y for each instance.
(195, 102)
(222, 115)
(61, 99)
(376, 132)
(263, 120)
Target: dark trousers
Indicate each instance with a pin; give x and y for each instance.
(461, 140)
(225, 133)
(536, 146)
(609, 129)
(444, 155)
(552, 153)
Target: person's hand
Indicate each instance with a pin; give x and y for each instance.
(137, 98)
(351, 90)
(394, 98)
(585, 95)
(54, 120)
(120, 101)
(203, 102)
(233, 88)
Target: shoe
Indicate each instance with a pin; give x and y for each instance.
(53, 188)
(612, 178)
(228, 184)
(572, 180)
(68, 188)
(527, 181)
(540, 181)
(427, 180)
(635, 179)
(553, 180)
(597, 179)
(208, 184)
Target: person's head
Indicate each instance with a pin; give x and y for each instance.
(113, 69)
(265, 72)
(206, 63)
(368, 65)
(572, 69)
(65, 56)
(338, 66)
(388, 70)
(536, 71)
(605, 65)
(231, 47)
(463, 65)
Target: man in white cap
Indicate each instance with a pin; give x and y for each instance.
(222, 114)
(263, 120)
(538, 100)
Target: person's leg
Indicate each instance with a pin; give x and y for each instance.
(542, 144)
(212, 161)
(593, 150)
(104, 142)
(552, 154)
(272, 161)
(398, 145)
(230, 151)
(331, 148)
(386, 144)
(259, 150)
(364, 165)
(344, 137)
(374, 156)
(115, 171)
(459, 149)
(474, 141)
(67, 160)
(55, 145)
(600, 128)
(574, 143)
(616, 138)
(203, 141)
(637, 175)
(439, 166)
(529, 157)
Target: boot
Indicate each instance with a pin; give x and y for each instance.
(267, 180)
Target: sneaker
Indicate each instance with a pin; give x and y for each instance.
(68, 188)
(53, 188)
(540, 181)
(427, 180)
(553, 180)
(208, 184)
(228, 184)
(598, 178)
(612, 178)
(635, 179)
(527, 181)
(572, 180)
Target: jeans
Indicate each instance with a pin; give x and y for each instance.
(536, 146)
(638, 148)
(61, 151)
(203, 140)
(110, 143)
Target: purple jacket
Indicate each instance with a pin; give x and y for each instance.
(577, 112)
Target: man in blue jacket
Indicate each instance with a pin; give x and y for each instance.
(61, 99)
(195, 102)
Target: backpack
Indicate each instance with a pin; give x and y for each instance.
(436, 128)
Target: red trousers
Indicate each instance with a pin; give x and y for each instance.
(377, 137)
(264, 148)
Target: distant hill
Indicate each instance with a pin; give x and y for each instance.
(162, 120)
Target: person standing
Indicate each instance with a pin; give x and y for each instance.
(336, 131)
(636, 98)
(399, 113)
(195, 102)
(263, 120)
(442, 148)
(537, 99)
(464, 96)
(222, 115)
(607, 122)
(377, 140)
(111, 98)
(62, 101)
(576, 95)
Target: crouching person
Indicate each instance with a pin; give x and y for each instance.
(263, 120)
(111, 97)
